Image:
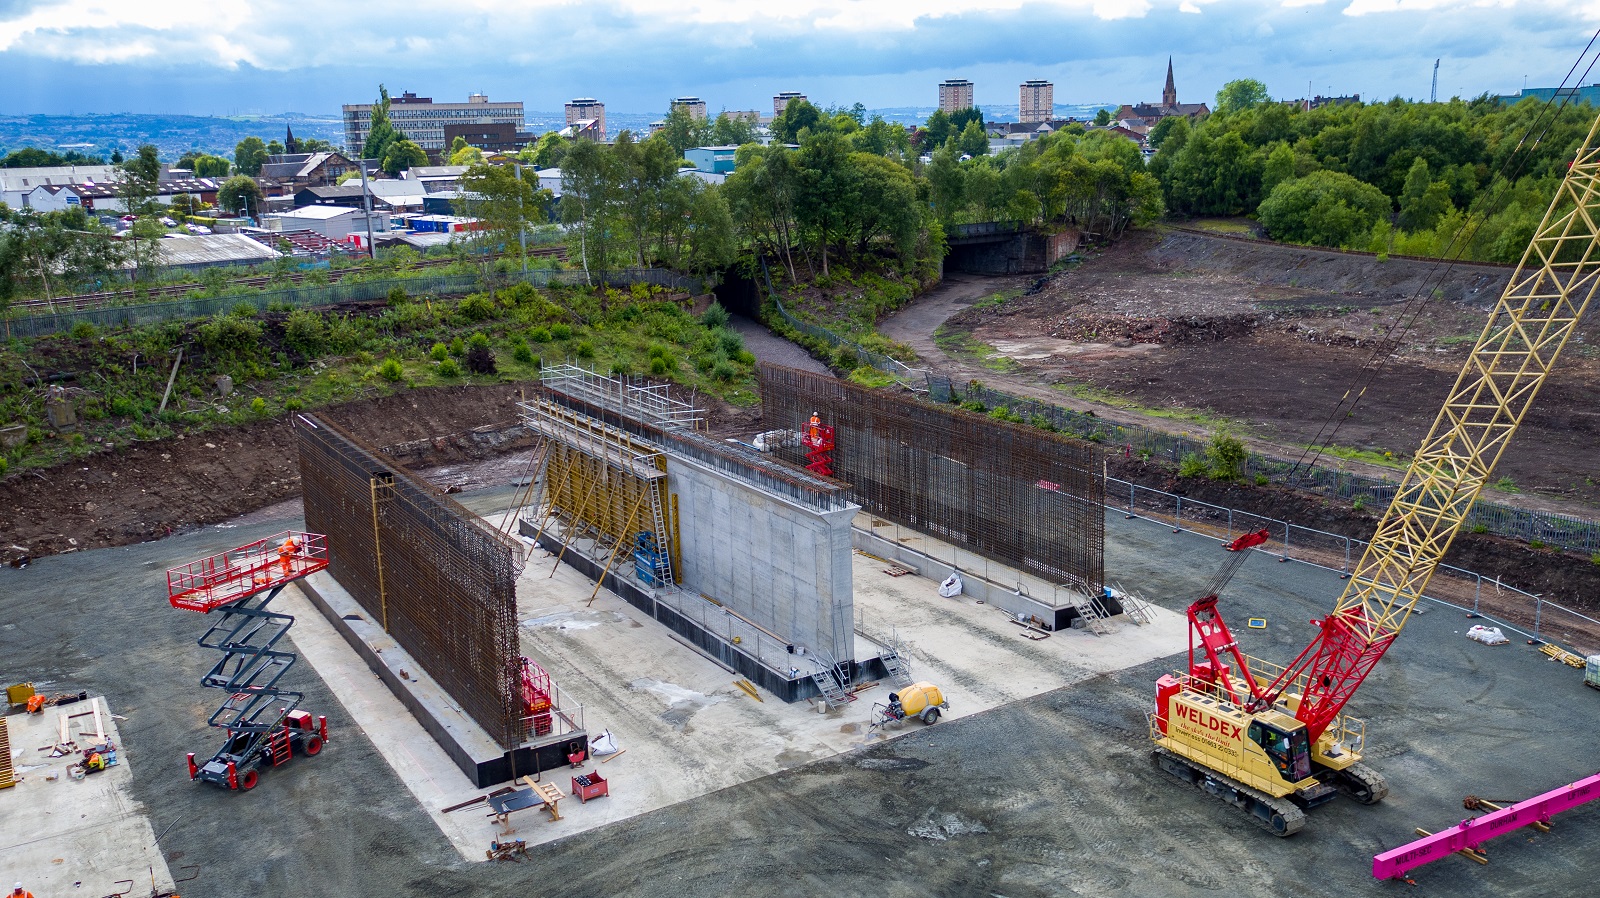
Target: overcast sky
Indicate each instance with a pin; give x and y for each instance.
(268, 56)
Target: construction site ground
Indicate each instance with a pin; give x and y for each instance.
(1049, 791)
(1264, 339)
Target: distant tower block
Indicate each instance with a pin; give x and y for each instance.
(1037, 102)
(955, 94)
(782, 101)
(695, 106)
(585, 109)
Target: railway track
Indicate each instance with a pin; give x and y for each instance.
(87, 301)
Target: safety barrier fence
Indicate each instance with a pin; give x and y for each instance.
(1545, 528)
(347, 291)
(1529, 614)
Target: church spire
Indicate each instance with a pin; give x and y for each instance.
(1169, 94)
(290, 145)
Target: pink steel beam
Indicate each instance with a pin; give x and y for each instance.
(1471, 833)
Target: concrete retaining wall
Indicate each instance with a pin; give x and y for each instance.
(1028, 252)
(777, 563)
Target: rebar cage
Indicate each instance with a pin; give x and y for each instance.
(437, 577)
(1015, 494)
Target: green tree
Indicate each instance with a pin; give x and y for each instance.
(762, 194)
(275, 147)
(588, 203)
(798, 116)
(1325, 208)
(974, 140)
(402, 155)
(1239, 95)
(1102, 118)
(208, 166)
(239, 195)
(461, 153)
(936, 131)
(507, 205)
(548, 152)
(1158, 134)
(683, 131)
(52, 253)
(728, 131)
(1214, 175)
(382, 135)
(138, 180)
(249, 156)
(1279, 167)
(1423, 201)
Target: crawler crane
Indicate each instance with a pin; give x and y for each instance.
(1272, 740)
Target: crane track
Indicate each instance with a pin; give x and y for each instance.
(90, 301)
(1279, 816)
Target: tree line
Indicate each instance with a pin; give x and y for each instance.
(1470, 178)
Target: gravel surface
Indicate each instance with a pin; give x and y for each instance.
(769, 347)
(1053, 795)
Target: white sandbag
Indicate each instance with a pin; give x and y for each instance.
(951, 586)
(1487, 635)
(602, 745)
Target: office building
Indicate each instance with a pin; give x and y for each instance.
(422, 120)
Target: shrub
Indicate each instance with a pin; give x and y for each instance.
(539, 335)
(845, 357)
(480, 358)
(1226, 455)
(346, 333)
(398, 296)
(1536, 544)
(1480, 528)
(449, 368)
(561, 331)
(973, 405)
(391, 369)
(457, 347)
(585, 349)
(1360, 503)
(477, 307)
(1192, 465)
(729, 342)
(305, 331)
(293, 405)
(228, 336)
(82, 330)
(658, 366)
(244, 309)
(745, 357)
(523, 353)
(1261, 480)
(621, 368)
(122, 405)
(1042, 423)
(258, 407)
(715, 316)
(724, 370)
(439, 352)
(478, 339)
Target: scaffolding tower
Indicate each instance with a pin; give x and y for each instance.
(604, 484)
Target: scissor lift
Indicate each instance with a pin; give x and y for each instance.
(261, 720)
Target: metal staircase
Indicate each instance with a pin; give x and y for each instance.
(832, 682)
(1095, 619)
(898, 668)
(1136, 608)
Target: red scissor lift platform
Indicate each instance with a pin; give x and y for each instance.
(262, 724)
(228, 577)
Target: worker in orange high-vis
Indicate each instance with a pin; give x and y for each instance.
(286, 554)
(18, 891)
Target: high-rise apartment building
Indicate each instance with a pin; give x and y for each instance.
(1037, 102)
(695, 106)
(782, 100)
(955, 94)
(422, 120)
(584, 109)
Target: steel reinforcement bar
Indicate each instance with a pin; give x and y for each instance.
(434, 575)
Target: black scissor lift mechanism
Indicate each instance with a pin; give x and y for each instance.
(263, 722)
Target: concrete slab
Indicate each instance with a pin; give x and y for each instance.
(73, 837)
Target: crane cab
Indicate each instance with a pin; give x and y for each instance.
(1268, 751)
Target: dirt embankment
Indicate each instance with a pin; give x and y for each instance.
(147, 490)
(1271, 338)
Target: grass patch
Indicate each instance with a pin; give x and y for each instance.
(961, 343)
(1380, 457)
(1223, 226)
